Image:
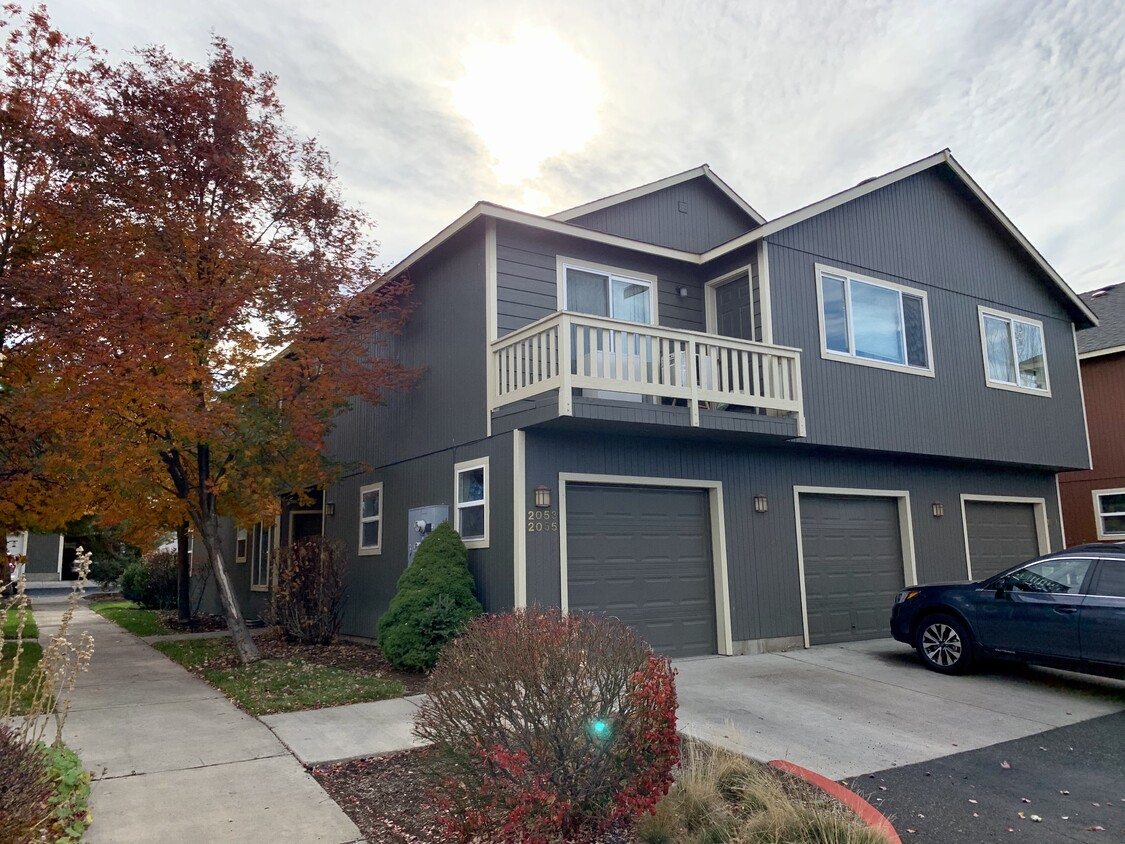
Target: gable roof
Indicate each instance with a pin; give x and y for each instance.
(1109, 336)
(701, 172)
(558, 224)
(943, 158)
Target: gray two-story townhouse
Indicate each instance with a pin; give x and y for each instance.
(734, 434)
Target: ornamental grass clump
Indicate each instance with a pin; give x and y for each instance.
(433, 603)
(548, 728)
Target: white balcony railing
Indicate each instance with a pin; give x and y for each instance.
(631, 360)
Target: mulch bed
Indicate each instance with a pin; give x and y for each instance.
(383, 795)
(350, 656)
(200, 623)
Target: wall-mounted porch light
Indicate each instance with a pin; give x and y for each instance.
(542, 497)
(330, 508)
(761, 504)
(939, 509)
(683, 292)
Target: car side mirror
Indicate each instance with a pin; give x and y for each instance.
(1003, 586)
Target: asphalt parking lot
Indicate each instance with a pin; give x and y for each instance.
(849, 710)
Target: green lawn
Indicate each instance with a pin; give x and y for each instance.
(29, 658)
(11, 625)
(138, 621)
(277, 685)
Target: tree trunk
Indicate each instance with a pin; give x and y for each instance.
(183, 571)
(208, 529)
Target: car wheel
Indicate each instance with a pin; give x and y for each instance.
(944, 644)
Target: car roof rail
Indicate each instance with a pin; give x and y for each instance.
(1100, 547)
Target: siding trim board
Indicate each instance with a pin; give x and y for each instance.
(1097, 353)
(724, 637)
(1042, 532)
(906, 532)
(764, 292)
(519, 502)
(491, 304)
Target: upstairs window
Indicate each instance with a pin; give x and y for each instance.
(240, 544)
(602, 291)
(471, 494)
(873, 322)
(371, 519)
(1014, 355)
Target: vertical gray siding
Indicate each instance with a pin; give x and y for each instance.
(445, 341)
(762, 548)
(709, 218)
(925, 233)
(422, 481)
(527, 286)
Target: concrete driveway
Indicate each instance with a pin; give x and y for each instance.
(845, 710)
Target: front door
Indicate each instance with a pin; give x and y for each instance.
(734, 313)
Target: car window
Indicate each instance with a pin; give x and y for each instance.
(1111, 581)
(1056, 576)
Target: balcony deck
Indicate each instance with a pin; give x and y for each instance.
(575, 365)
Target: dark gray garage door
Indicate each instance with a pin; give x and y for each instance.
(852, 551)
(643, 554)
(1001, 534)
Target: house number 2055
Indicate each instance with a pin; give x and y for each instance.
(542, 520)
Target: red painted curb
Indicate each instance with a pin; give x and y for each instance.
(868, 813)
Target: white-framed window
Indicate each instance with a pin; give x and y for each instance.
(241, 545)
(873, 322)
(17, 544)
(470, 492)
(371, 519)
(267, 536)
(587, 288)
(1015, 355)
(1109, 510)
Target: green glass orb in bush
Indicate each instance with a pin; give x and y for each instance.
(433, 603)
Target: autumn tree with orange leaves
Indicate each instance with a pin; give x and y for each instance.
(221, 302)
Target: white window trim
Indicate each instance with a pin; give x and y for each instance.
(723, 631)
(20, 540)
(905, 531)
(1042, 529)
(242, 535)
(562, 264)
(846, 357)
(371, 550)
(982, 312)
(1102, 534)
(458, 468)
(274, 544)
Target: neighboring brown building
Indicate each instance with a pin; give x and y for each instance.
(1093, 500)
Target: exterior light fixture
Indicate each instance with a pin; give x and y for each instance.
(542, 497)
(939, 509)
(330, 508)
(761, 504)
(683, 292)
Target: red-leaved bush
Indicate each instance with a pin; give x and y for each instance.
(548, 727)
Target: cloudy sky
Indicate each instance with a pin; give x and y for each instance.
(429, 105)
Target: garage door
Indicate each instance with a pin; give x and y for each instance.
(852, 553)
(1001, 534)
(643, 554)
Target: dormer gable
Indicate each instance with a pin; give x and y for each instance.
(692, 211)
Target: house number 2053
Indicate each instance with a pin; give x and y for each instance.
(542, 520)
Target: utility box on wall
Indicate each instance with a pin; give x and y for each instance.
(421, 521)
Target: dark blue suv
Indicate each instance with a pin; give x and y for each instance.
(1065, 609)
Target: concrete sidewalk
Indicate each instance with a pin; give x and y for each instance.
(174, 760)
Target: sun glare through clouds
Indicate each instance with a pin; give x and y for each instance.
(529, 98)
